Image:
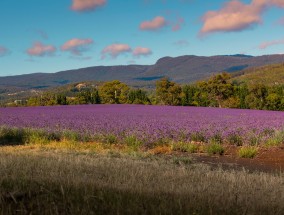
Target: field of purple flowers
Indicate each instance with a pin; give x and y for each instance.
(149, 123)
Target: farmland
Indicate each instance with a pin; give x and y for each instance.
(150, 124)
(156, 159)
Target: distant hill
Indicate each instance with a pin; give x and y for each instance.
(183, 69)
(268, 75)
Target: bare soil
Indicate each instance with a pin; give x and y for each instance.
(267, 160)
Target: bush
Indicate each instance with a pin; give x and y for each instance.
(197, 137)
(110, 139)
(12, 136)
(254, 141)
(248, 152)
(276, 139)
(215, 148)
(37, 137)
(185, 147)
(235, 139)
(216, 138)
(132, 142)
(71, 136)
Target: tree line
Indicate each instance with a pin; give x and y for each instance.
(217, 91)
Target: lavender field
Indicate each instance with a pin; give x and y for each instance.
(90, 175)
(148, 123)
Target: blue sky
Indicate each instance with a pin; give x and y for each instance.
(51, 36)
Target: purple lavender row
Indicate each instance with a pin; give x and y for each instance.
(145, 122)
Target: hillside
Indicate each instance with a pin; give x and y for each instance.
(268, 75)
(183, 69)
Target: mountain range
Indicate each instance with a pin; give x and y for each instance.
(183, 69)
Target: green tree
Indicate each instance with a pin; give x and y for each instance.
(187, 95)
(218, 87)
(33, 101)
(138, 96)
(88, 96)
(273, 102)
(114, 92)
(257, 96)
(61, 99)
(168, 93)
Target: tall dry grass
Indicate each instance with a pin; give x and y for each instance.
(45, 181)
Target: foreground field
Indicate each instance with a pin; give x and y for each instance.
(35, 180)
(121, 159)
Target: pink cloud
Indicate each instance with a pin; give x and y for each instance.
(86, 5)
(115, 49)
(177, 25)
(76, 46)
(3, 51)
(278, 3)
(141, 51)
(234, 16)
(267, 44)
(154, 24)
(38, 49)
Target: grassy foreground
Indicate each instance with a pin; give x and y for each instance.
(46, 180)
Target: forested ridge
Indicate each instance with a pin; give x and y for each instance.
(220, 90)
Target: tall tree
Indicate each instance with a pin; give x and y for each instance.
(168, 93)
(138, 96)
(114, 92)
(218, 87)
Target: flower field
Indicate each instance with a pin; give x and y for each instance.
(150, 124)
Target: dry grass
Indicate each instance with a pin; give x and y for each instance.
(51, 180)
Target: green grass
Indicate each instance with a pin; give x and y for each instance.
(37, 181)
(185, 147)
(248, 152)
(133, 142)
(215, 148)
(276, 139)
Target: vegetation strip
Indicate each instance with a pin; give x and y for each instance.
(221, 90)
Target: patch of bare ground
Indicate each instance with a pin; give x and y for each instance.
(269, 159)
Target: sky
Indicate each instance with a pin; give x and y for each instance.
(56, 35)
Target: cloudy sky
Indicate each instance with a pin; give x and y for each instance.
(56, 35)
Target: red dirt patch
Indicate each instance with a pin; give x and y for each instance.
(267, 160)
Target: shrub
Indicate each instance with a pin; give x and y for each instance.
(248, 152)
(216, 138)
(71, 136)
(197, 137)
(276, 139)
(110, 139)
(12, 136)
(235, 139)
(133, 142)
(185, 147)
(215, 148)
(268, 131)
(254, 141)
(37, 137)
